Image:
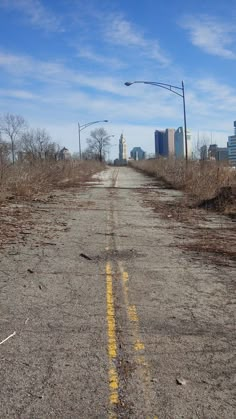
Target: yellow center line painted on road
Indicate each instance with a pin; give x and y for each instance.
(112, 341)
(125, 276)
(138, 345)
(132, 313)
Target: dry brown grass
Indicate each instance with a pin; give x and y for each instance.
(28, 180)
(205, 186)
(202, 180)
(24, 186)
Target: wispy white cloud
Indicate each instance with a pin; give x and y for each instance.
(18, 94)
(207, 98)
(119, 31)
(90, 55)
(24, 65)
(35, 13)
(56, 72)
(210, 105)
(64, 86)
(221, 95)
(211, 35)
(114, 29)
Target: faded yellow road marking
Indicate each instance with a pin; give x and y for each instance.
(125, 276)
(132, 313)
(138, 345)
(112, 341)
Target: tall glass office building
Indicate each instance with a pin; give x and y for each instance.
(232, 147)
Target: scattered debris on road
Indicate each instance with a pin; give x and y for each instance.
(8, 337)
(181, 381)
(85, 256)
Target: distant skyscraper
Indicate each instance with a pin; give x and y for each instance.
(159, 143)
(222, 154)
(122, 149)
(180, 143)
(232, 147)
(137, 153)
(164, 142)
(169, 142)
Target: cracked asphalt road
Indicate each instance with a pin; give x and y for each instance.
(112, 320)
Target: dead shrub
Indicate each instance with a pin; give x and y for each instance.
(28, 179)
(202, 180)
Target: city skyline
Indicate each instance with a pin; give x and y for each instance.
(66, 61)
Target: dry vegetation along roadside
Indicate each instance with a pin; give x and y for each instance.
(21, 185)
(206, 183)
(201, 199)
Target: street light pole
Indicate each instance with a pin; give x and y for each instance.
(185, 125)
(176, 90)
(80, 154)
(81, 127)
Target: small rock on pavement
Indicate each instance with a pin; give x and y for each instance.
(181, 381)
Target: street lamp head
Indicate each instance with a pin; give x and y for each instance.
(128, 83)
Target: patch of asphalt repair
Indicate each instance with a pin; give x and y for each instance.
(173, 315)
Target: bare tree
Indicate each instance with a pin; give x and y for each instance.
(11, 126)
(4, 157)
(90, 154)
(36, 144)
(201, 147)
(98, 143)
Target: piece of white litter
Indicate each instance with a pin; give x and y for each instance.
(10, 336)
(27, 320)
(181, 381)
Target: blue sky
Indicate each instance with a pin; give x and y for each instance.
(64, 61)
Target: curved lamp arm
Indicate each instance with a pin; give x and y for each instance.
(166, 86)
(176, 90)
(81, 127)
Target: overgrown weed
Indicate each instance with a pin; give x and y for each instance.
(27, 180)
(202, 180)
